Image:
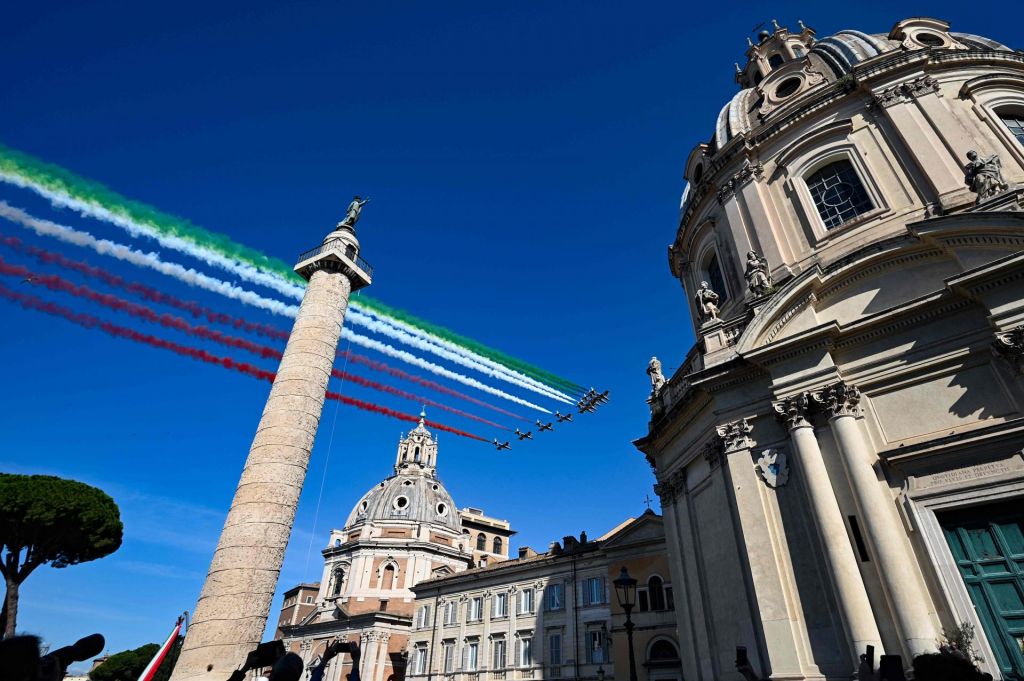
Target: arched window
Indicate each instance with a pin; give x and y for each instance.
(715, 279)
(775, 61)
(1015, 123)
(496, 545)
(339, 579)
(416, 454)
(838, 193)
(481, 542)
(656, 592)
(662, 650)
(387, 578)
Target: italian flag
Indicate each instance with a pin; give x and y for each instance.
(150, 671)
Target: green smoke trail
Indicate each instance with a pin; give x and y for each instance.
(57, 179)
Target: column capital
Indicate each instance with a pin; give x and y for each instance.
(671, 486)
(838, 399)
(794, 410)
(735, 436)
(1010, 346)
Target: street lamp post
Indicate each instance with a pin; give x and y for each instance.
(625, 590)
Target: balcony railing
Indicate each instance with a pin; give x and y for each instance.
(339, 246)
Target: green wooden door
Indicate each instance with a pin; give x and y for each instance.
(988, 545)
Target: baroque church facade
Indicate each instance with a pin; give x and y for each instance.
(839, 456)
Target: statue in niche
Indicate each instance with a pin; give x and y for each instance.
(657, 378)
(354, 210)
(758, 275)
(707, 302)
(984, 176)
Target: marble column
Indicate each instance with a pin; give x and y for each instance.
(851, 596)
(882, 525)
(368, 644)
(230, 618)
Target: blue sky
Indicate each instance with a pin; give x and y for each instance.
(524, 161)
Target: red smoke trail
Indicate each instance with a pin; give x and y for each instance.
(88, 321)
(399, 415)
(374, 385)
(57, 283)
(419, 380)
(141, 290)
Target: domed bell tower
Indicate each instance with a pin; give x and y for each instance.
(417, 453)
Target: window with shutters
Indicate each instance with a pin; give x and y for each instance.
(476, 609)
(525, 655)
(526, 601)
(423, 617)
(593, 591)
(419, 659)
(449, 656)
(451, 613)
(499, 607)
(554, 596)
(472, 651)
(498, 658)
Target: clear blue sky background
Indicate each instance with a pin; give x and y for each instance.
(525, 164)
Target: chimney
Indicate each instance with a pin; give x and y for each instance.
(526, 552)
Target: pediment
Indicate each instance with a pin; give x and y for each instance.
(648, 527)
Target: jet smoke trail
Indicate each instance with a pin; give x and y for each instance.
(65, 189)
(57, 283)
(189, 276)
(90, 322)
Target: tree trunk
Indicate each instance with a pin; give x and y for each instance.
(11, 606)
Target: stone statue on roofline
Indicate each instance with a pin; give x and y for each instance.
(707, 303)
(657, 377)
(984, 176)
(355, 208)
(758, 275)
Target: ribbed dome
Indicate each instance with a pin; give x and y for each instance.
(416, 497)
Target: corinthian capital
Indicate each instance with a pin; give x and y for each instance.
(838, 399)
(735, 435)
(1010, 345)
(793, 410)
(666, 493)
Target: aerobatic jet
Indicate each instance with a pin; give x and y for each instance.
(562, 418)
(541, 427)
(524, 436)
(502, 445)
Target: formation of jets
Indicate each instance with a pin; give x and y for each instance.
(588, 403)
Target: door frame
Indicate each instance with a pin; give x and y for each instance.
(922, 506)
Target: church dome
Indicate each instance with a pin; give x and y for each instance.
(414, 493)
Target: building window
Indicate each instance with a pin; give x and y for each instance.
(526, 601)
(423, 617)
(715, 278)
(309, 599)
(838, 193)
(593, 591)
(596, 647)
(498, 647)
(496, 545)
(525, 654)
(669, 601)
(643, 603)
(775, 61)
(1015, 123)
(387, 578)
(555, 596)
(481, 542)
(449, 656)
(339, 579)
(476, 609)
(471, 651)
(451, 612)
(656, 591)
(555, 649)
(500, 606)
(419, 659)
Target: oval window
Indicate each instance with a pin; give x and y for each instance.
(787, 88)
(401, 502)
(363, 506)
(929, 39)
(442, 510)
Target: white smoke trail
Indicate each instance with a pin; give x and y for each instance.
(390, 351)
(394, 328)
(358, 317)
(142, 259)
(136, 229)
(193, 278)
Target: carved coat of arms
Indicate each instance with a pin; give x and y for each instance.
(773, 467)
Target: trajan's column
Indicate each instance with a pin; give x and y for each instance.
(231, 614)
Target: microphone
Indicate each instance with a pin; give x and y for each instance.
(81, 650)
